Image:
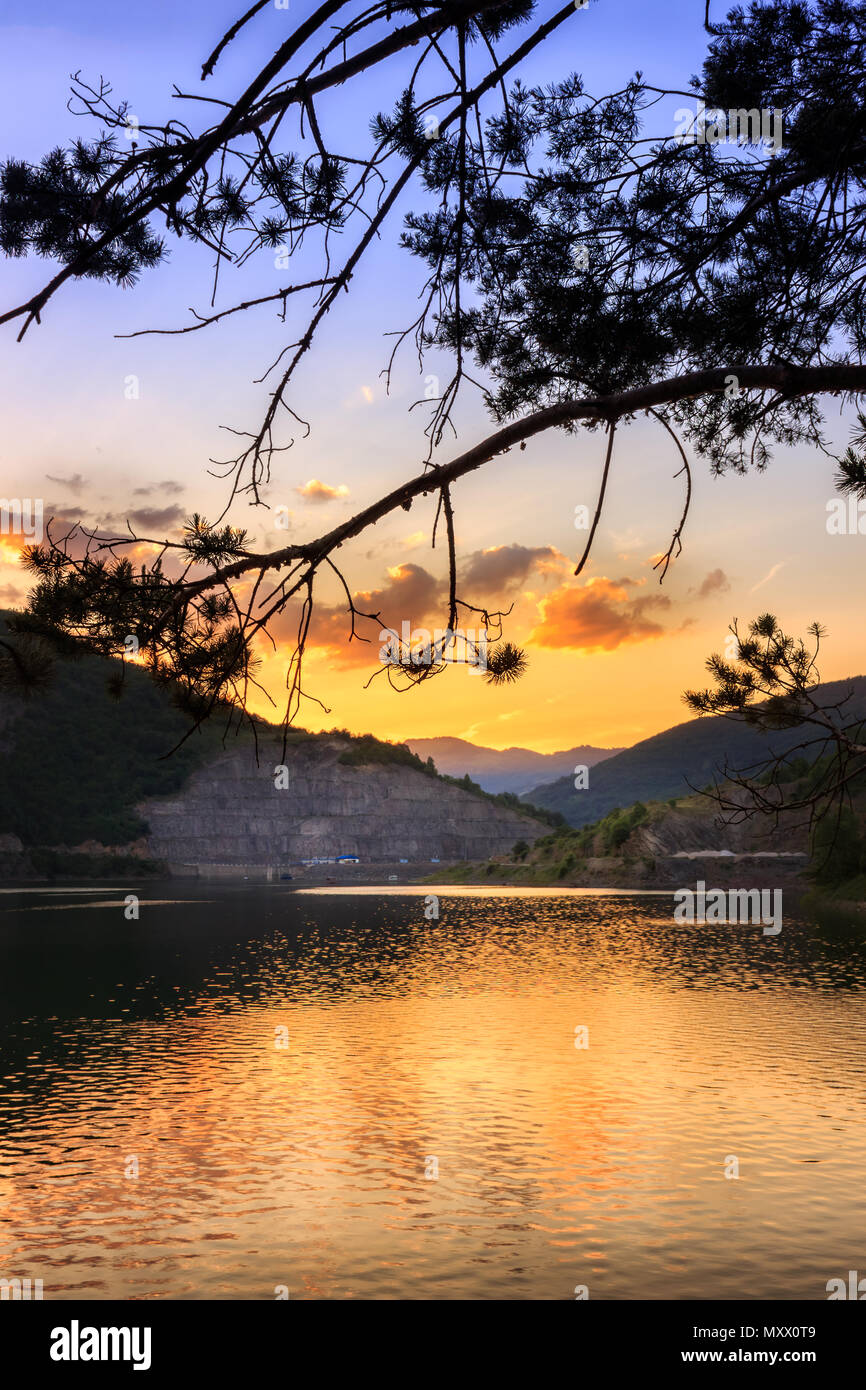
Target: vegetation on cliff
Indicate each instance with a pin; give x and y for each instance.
(76, 761)
(620, 847)
(83, 750)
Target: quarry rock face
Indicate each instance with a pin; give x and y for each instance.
(688, 832)
(233, 812)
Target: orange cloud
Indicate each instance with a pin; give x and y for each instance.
(596, 616)
(412, 595)
(316, 491)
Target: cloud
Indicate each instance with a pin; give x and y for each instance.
(502, 566)
(716, 582)
(166, 489)
(360, 397)
(147, 518)
(157, 518)
(11, 548)
(316, 491)
(767, 577)
(477, 729)
(63, 511)
(411, 595)
(75, 483)
(596, 616)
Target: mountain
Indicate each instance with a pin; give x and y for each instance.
(659, 845)
(508, 769)
(688, 756)
(90, 776)
(77, 762)
(341, 796)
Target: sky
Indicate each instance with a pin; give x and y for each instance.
(609, 653)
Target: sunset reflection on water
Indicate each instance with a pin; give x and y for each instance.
(409, 1039)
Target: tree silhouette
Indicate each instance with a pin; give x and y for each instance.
(581, 266)
(772, 683)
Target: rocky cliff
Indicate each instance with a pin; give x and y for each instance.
(233, 811)
(695, 828)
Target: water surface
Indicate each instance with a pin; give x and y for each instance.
(310, 1166)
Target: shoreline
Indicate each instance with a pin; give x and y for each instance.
(830, 909)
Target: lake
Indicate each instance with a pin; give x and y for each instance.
(252, 1089)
